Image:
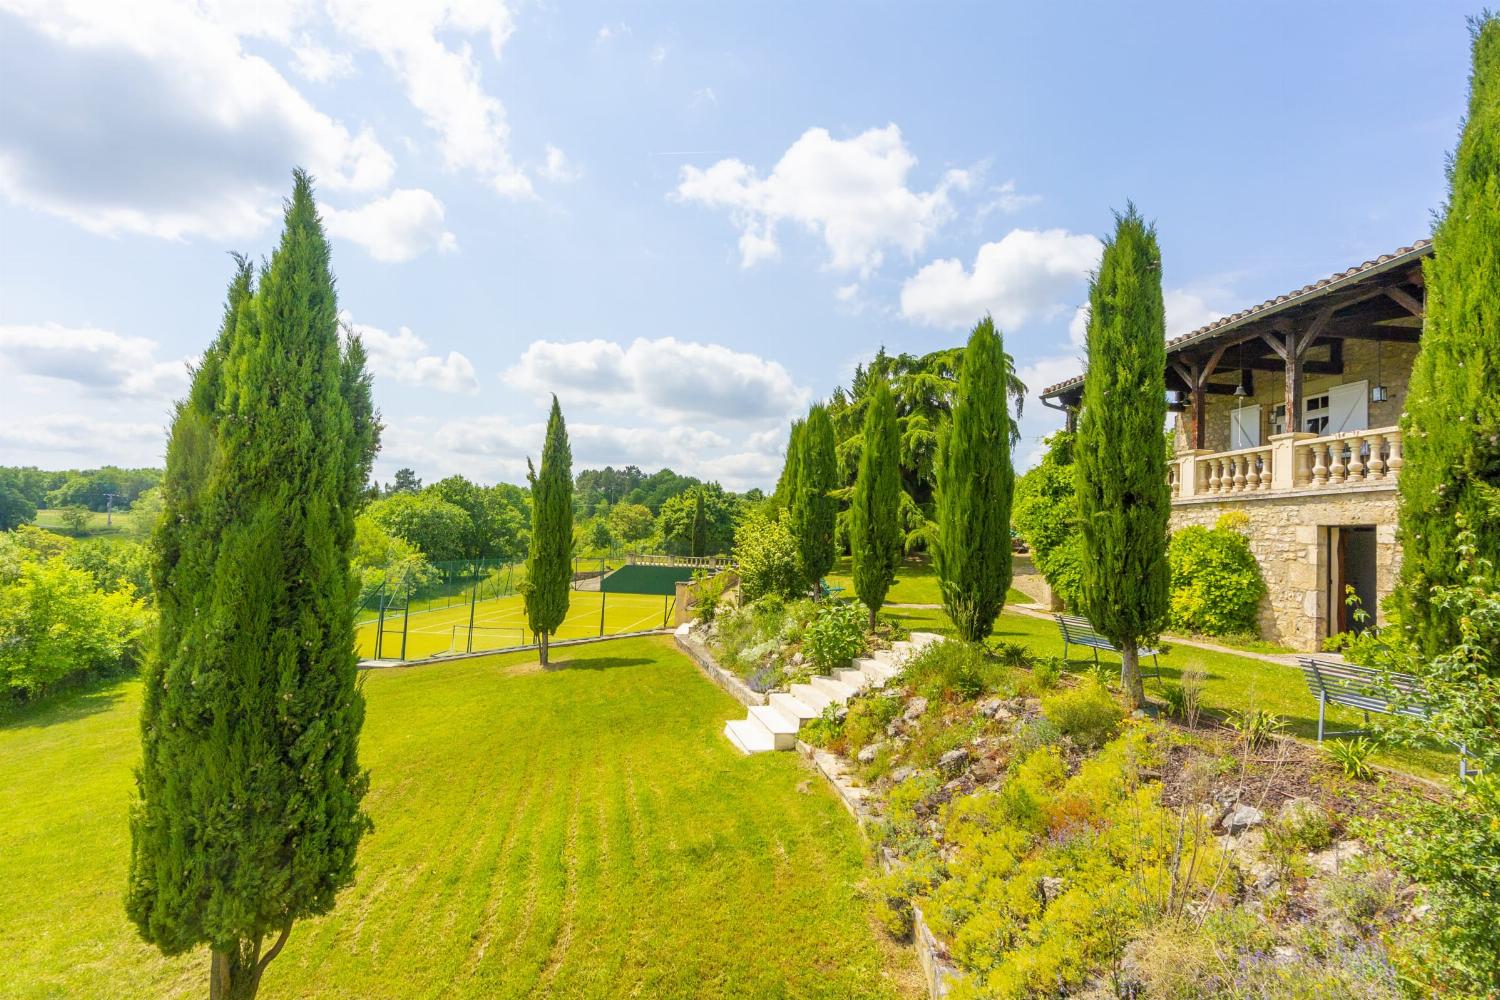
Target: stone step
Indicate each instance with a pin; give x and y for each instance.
(837, 690)
(812, 697)
(856, 679)
(749, 736)
(792, 707)
(783, 730)
(877, 670)
(923, 639)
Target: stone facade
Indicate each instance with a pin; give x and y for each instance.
(1290, 538)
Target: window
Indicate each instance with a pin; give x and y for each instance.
(1315, 414)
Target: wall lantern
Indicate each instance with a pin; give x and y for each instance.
(1378, 394)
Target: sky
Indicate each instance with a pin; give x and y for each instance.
(689, 221)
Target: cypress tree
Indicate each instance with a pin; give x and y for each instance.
(875, 535)
(247, 813)
(1451, 427)
(975, 483)
(700, 526)
(548, 562)
(1119, 461)
(786, 483)
(814, 509)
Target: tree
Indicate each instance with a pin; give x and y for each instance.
(549, 568)
(76, 517)
(786, 483)
(765, 555)
(1451, 425)
(1119, 461)
(16, 508)
(679, 520)
(813, 508)
(1046, 515)
(975, 484)
(700, 523)
(875, 535)
(406, 481)
(247, 814)
(440, 529)
(631, 522)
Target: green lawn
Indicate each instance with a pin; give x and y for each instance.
(916, 583)
(581, 832)
(1231, 683)
(52, 520)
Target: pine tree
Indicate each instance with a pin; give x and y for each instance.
(975, 483)
(1119, 461)
(786, 483)
(814, 510)
(1451, 427)
(248, 814)
(548, 563)
(875, 534)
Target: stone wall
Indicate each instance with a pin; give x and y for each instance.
(1288, 537)
(1026, 578)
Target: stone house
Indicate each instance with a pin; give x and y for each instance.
(1319, 490)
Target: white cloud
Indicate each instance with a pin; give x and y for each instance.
(443, 83)
(609, 32)
(705, 380)
(1078, 326)
(63, 439)
(100, 361)
(1049, 371)
(1188, 310)
(403, 357)
(703, 97)
(1007, 200)
(1026, 273)
(852, 193)
(658, 54)
(404, 224)
(196, 134)
(558, 168)
(314, 62)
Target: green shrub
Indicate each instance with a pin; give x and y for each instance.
(825, 729)
(895, 890)
(1353, 757)
(766, 555)
(1174, 699)
(954, 669)
(836, 635)
(1047, 672)
(1013, 654)
(1216, 582)
(1088, 714)
(1046, 515)
(868, 718)
(1256, 725)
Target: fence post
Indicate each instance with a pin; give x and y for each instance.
(602, 597)
(405, 621)
(473, 598)
(379, 618)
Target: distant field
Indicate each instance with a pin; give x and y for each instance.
(500, 623)
(916, 583)
(52, 520)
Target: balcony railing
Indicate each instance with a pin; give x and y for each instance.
(1291, 462)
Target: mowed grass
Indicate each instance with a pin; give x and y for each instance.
(580, 832)
(1231, 683)
(500, 623)
(916, 582)
(98, 523)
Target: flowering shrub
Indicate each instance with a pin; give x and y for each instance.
(1216, 583)
(1089, 714)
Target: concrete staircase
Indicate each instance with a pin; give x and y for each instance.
(774, 726)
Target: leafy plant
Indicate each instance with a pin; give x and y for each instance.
(1353, 757)
(1089, 714)
(836, 635)
(1174, 699)
(1013, 654)
(1256, 726)
(1103, 674)
(1047, 672)
(955, 669)
(1192, 696)
(1216, 582)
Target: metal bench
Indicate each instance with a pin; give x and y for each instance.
(1078, 631)
(1367, 690)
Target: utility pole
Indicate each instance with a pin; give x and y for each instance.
(109, 508)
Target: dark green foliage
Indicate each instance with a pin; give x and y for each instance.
(786, 483)
(813, 508)
(97, 489)
(685, 526)
(876, 540)
(1451, 422)
(1216, 582)
(406, 481)
(975, 487)
(1046, 515)
(248, 809)
(700, 525)
(1123, 500)
(549, 568)
(17, 506)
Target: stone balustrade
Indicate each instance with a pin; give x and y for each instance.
(1290, 462)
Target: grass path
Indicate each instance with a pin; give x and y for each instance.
(583, 832)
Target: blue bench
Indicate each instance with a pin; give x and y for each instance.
(1369, 691)
(1078, 631)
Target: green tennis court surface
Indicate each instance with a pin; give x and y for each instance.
(636, 579)
(500, 623)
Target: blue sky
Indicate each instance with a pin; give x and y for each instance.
(687, 220)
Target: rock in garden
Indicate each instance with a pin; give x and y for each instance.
(988, 707)
(1242, 817)
(953, 761)
(797, 659)
(914, 708)
(1301, 811)
(867, 754)
(1337, 856)
(1051, 887)
(901, 773)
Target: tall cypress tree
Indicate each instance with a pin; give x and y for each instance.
(875, 535)
(786, 483)
(548, 562)
(248, 814)
(814, 509)
(1123, 499)
(700, 525)
(1451, 427)
(975, 484)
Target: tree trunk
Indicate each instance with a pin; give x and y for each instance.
(234, 973)
(1130, 675)
(542, 647)
(872, 619)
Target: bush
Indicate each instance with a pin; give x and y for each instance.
(1353, 757)
(113, 564)
(766, 555)
(1216, 582)
(1047, 672)
(955, 669)
(1089, 714)
(868, 718)
(836, 635)
(1046, 515)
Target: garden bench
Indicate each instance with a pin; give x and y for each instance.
(1367, 690)
(1077, 631)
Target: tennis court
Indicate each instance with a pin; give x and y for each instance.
(500, 623)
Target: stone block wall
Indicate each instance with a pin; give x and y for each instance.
(1287, 537)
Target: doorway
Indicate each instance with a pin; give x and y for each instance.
(1351, 564)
